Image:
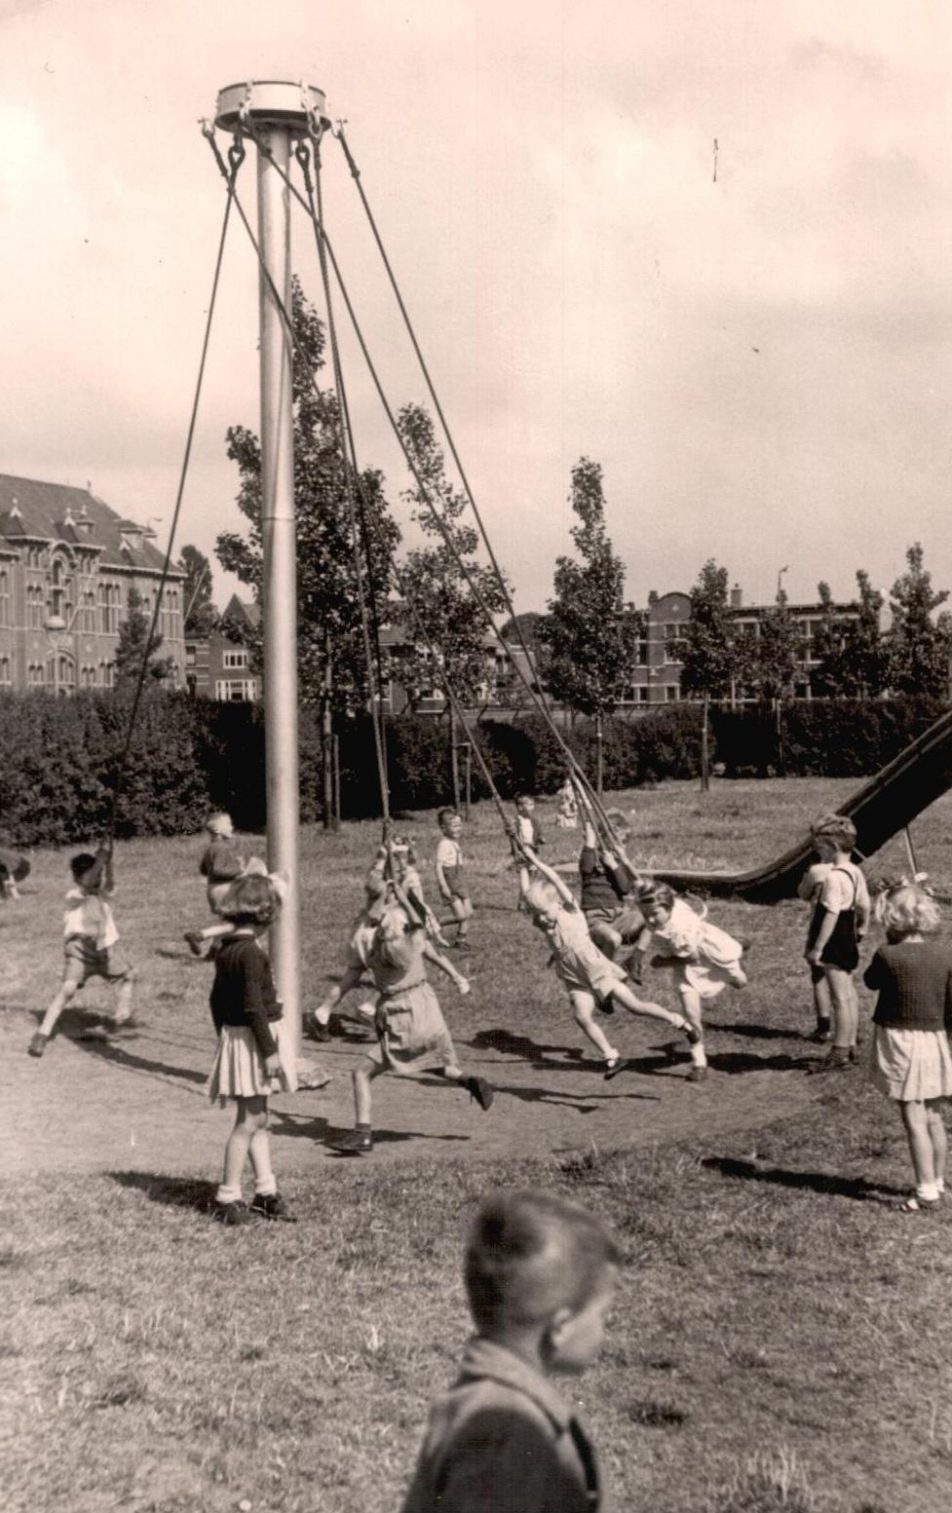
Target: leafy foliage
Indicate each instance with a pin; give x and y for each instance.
(200, 613)
(135, 644)
(589, 637)
(918, 647)
(851, 653)
(707, 652)
(445, 619)
(331, 660)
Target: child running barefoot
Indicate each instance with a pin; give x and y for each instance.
(449, 875)
(90, 943)
(840, 920)
(589, 976)
(540, 1277)
(411, 1031)
(911, 1062)
(254, 1056)
(221, 864)
(703, 956)
(810, 889)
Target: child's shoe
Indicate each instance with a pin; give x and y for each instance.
(823, 1033)
(195, 943)
(480, 1089)
(838, 1060)
(614, 1065)
(232, 1214)
(691, 1033)
(314, 1030)
(272, 1206)
(38, 1044)
(697, 1074)
(355, 1142)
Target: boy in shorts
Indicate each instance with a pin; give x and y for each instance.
(449, 874)
(540, 1275)
(90, 940)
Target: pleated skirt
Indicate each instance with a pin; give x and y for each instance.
(238, 1070)
(911, 1065)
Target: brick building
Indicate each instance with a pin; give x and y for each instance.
(67, 565)
(219, 667)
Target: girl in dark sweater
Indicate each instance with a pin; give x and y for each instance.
(254, 1057)
(911, 1062)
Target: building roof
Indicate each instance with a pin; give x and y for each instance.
(59, 512)
(243, 609)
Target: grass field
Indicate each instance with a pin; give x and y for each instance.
(782, 1338)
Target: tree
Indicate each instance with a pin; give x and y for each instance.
(589, 637)
(445, 619)
(707, 652)
(200, 613)
(850, 650)
(918, 647)
(131, 651)
(332, 671)
(768, 665)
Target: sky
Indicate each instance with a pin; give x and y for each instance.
(758, 359)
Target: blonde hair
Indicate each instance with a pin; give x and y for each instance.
(837, 829)
(215, 824)
(907, 910)
(541, 894)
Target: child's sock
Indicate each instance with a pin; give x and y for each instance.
(698, 1054)
(266, 1187)
(228, 1194)
(927, 1192)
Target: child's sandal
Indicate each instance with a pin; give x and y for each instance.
(916, 1205)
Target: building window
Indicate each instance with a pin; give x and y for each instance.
(234, 659)
(671, 693)
(34, 606)
(5, 672)
(236, 690)
(4, 597)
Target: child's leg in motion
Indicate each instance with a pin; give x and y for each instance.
(919, 1120)
(361, 1138)
(67, 992)
(622, 993)
(211, 935)
(691, 1004)
(607, 939)
(583, 1008)
(124, 1006)
(477, 1087)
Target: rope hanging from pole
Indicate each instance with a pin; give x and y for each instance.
(236, 157)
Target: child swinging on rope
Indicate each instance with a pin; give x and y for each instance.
(221, 864)
(590, 978)
(411, 1031)
(704, 957)
(449, 874)
(90, 939)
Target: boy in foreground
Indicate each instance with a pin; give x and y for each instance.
(540, 1275)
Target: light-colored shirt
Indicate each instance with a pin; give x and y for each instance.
(448, 852)
(89, 915)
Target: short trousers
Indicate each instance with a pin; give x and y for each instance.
(84, 960)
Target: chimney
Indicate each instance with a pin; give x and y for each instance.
(652, 597)
(83, 524)
(737, 597)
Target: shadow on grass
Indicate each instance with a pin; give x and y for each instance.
(857, 1188)
(753, 1031)
(174, 1192)
(116, 1054)
(511, 1044)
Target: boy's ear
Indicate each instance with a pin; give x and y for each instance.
(555, 1330)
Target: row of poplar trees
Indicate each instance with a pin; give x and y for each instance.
(584, 646)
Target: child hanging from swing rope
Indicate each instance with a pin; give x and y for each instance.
(590, 978)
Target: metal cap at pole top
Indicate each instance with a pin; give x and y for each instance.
(271, 102)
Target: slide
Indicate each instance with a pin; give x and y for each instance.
(912, 781)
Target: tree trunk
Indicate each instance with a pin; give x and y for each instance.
(454, 761)
(781, 758)
(335, 771)
(327, 733)
(467, 778)
(705, 744)
(599, 754)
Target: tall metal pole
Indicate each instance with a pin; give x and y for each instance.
(273, 114)
(279, 566)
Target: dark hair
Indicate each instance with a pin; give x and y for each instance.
(251, 900)
(531, 1253)
(81, 864)
(442, 813)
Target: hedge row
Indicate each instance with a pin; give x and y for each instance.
(60, 774)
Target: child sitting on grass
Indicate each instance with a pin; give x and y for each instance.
(911, 1062)
(589, 976)
(411, 1031)
(254, 1057)
(540, 1277)
(449, 874)
(14, 867)
(704, 958)
(840, 920)
(90, 939)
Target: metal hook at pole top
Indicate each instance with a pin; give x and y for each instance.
(270, 102)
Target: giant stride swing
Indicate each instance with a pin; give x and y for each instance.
(282, 120)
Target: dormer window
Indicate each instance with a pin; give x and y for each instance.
(131, 535)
